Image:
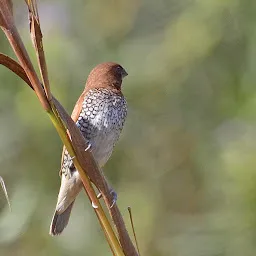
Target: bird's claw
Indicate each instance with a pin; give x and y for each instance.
(88, 147)
(114, 197)
(94, 205)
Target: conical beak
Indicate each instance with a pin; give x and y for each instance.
(124, 73)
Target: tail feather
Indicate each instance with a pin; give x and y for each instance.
(60, 221)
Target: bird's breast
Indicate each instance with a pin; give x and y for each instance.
(101, 121)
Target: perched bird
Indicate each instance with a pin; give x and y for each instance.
(99, 113)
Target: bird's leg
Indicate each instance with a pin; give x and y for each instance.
(114, 197)
(111, 191)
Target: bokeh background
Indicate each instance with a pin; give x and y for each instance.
(186, 160)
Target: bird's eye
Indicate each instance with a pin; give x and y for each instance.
(118, 68)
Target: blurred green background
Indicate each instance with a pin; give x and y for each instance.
(186, 160)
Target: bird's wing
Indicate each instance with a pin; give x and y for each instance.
(78, 107)
(75, 114)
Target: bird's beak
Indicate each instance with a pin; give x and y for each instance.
(124, 73)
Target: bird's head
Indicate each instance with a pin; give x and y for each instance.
(107, 74)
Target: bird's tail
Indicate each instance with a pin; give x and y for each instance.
(60, 220)
(69, 189)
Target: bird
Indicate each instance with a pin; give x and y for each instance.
(99, 113)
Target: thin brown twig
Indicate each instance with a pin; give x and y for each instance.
(133, 229)
(2, 183)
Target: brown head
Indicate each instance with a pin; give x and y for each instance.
(106, 75)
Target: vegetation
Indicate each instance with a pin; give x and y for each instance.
(186, 159)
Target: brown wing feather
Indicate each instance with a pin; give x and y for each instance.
(75, 114)
(78, 107)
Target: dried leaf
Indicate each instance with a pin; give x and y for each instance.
(6, 14)
(15, 67)
(15, 41)
(37, 40)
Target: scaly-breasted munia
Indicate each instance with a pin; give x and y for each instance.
(99, 113)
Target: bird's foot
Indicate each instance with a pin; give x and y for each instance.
(99, 196)
(114, 197)
(94, 205)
